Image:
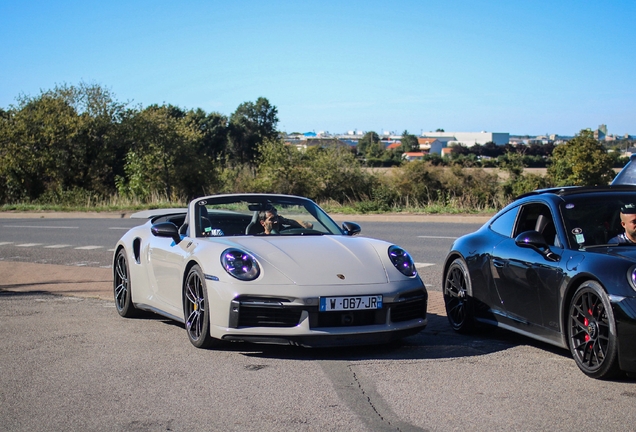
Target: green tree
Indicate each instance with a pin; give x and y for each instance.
(369, 145)
(61, 140)
(409, 142)
(163, 157)
(36, 143)
(582, 161)
(283, 169)
(250, 125)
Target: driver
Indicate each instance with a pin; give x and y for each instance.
(628, 221)
(273, 223)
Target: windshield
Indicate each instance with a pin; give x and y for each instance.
(594, 219)
(627, 175)
(261, 215)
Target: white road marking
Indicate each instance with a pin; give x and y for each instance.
(39, 226)
(88, 247)
(29, 244)
(424, 264)
(438, 237)
(5, 243)
(57, 246)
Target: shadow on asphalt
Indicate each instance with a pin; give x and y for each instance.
(437, 341)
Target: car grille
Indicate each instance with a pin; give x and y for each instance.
(346, 318)
(409, 306)
(263, 312)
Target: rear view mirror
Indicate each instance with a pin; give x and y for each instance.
(166, 229)
(351, 228)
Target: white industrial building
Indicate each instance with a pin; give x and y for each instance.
(469, 139)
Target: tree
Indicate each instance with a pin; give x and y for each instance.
(61, 140)
(409, 142)
(369, 145)
(36, 145)
(163, 157)
(214, 131)
(582, 161)
(250, 125)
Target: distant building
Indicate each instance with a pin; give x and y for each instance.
(432, 145)
(411, 156)
(469, 139)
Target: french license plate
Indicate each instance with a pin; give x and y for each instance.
(328, 304)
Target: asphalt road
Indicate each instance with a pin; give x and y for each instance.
(71, 363)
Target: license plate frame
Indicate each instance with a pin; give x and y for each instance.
(350, 303)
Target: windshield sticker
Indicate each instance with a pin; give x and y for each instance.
(578, 235)
(569, 206)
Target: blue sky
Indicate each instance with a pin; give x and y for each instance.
(523, 67)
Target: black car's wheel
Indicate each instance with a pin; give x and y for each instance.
(457, 297)
(195, 309)
(592, 332)
(122, 286)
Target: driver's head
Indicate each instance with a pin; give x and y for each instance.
(628, 219)
(268, 216)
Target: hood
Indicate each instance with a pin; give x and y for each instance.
(318, 260)
(627, 252)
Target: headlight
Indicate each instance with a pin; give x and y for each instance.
(239, 264)
(402, 261)
(631, 277)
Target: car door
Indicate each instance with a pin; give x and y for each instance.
(167, 261)
(526, 279)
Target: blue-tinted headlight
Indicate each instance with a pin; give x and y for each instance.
(240, 264)
(631, 277)
(402, 261)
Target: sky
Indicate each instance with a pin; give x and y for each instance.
(522, 67)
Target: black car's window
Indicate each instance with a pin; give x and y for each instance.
(504, 223)
(593, 219)
(537, 217)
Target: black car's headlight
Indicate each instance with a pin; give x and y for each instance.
(240, 264)
(631, 277)
(402, 261)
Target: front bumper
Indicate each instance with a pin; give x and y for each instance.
(277, 321)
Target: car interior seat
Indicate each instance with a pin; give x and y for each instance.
(545, 227)
(204, 222)
(254, 227)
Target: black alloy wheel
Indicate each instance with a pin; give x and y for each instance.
(457, 297)
(122, 287)
(195, 308)
(592, 332)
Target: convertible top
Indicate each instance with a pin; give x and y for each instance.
(148, 214)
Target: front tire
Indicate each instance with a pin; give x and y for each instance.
(196, 309)
(122, 286)
(592, 332)
(458, 297)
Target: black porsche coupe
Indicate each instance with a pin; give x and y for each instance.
(546, 267)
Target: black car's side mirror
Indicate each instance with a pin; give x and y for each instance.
(166, 229)
(351, 228)
(534, 240)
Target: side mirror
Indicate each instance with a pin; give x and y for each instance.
(166, 229)
(351, 228)
(534, 240)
